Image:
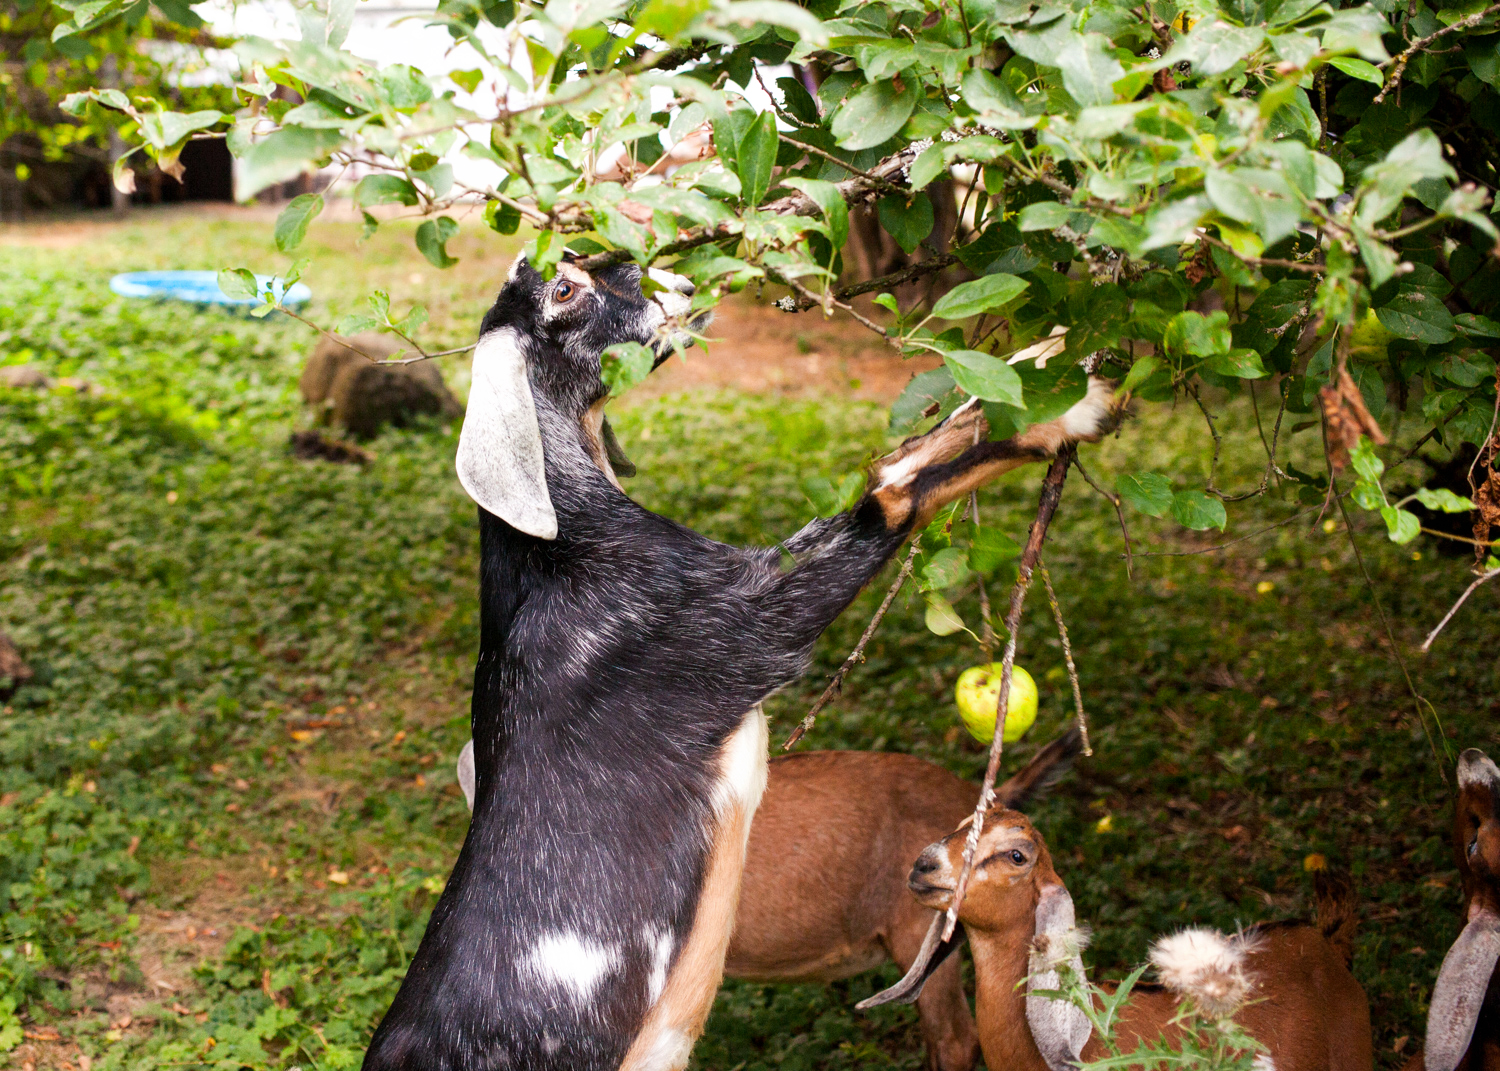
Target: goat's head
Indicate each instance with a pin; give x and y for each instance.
(1011, 868)
(1469, 966)
(538, 364)
(1015, 899)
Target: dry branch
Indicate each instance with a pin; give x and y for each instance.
(1052, 487)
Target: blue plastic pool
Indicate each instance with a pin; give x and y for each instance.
(201, 287)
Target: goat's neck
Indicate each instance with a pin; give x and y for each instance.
(1000, 967)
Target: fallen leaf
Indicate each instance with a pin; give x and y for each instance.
(45, 1034)
(1315, 861)
(301, 735)
(1400, 1043)
(339, 877)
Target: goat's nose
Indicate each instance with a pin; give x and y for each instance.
(925, 864)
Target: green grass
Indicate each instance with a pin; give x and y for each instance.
(247, 662)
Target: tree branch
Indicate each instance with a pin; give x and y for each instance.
(858, 654)
(1422, 42)
(1427, 644)
(915, 271)
(1052, 487)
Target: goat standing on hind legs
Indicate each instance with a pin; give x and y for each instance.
(619, 747)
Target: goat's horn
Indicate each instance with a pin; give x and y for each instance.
(932, 955)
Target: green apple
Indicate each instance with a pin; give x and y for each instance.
(978, 696)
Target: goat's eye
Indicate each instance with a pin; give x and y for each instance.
(1018, 857)
(564, 293)
(1473, 847)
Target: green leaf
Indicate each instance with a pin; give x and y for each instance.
(1417, 315)
(1366, 462)
(1476, 326)
(1044, 216)
(502, 218)
(908, 222)
(1238, 364)
(927, 390)
(990, 548)
(1443, 499)
(239, 283)
(468, 81)
(985, 294)
(291, 224)
(830, 202)
(1358, 68)
(1193, 334)
(432, 241)
(984, 376)
(162, 130)
(384, 190)
(668, 18)
(941, 618)
(1089, 70)
(944, 569)
(625, 364)
(281, 155)
(873, 113)
(1149, 492)
(1143, 369)
(1401, 525)
(757, 157)
(1198, 511)
(355, 323)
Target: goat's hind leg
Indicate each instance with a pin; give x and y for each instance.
(923, 475)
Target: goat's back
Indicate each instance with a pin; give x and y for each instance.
(1305, 1007)
(829, 853)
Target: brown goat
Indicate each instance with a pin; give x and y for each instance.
(1304, 1006)
(824, 892)
(1463, 1022)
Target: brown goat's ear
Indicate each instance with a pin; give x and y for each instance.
(1059, 1027)
(466, 773)
(1044, 770)
(500, 461)
(1460, 990)
(932, 955)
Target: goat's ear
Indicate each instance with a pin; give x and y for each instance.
(500, 461)
(466, 773)
(1044, 770)
(932, 955)
(1460, 990)
(1059, 1027)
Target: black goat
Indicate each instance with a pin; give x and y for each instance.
(620, 750)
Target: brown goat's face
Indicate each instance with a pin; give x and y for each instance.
(1011, 864)
(1476, 830)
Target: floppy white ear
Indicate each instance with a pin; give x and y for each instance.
(500, 461)
(466, 773)
(1059, 1027)
(1459, 992)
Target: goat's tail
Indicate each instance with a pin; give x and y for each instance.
(1338, 911)
(1046, 767)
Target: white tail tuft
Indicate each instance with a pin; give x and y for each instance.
(1206, 966)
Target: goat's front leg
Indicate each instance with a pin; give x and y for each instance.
(927, 472)
(836, 557)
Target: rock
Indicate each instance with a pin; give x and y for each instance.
(363, 397)
(14, 672)
(315, 446)
(23, 377)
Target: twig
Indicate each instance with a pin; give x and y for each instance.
(1480, 543)
(1052, 487)
(1114, 500)
(1264, 262)
(1062, 632)
(422, 355)
(905, 275)
(858, 654)
(1390, 636)
(1422, 42)
(808, 295)
(1427, 644)
(1224, 546)
(876, 180)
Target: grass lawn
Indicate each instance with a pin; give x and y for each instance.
(228, 797)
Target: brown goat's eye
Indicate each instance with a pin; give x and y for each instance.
(1017, 857)
(564, 293)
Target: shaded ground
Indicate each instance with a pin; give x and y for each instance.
(262, 667)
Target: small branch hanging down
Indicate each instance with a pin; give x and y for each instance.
(1114, 500)
(1067, 646)
(858, 654)
(1052, 487)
